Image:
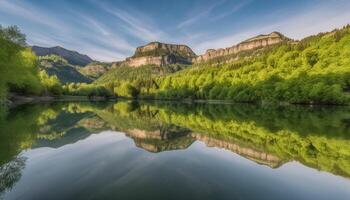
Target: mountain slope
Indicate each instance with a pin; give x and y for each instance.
(144, 72)
(73, 57)
(96, 69)
(158, 59)
(65, 72)
(315, 70)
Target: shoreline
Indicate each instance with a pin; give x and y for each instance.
(16, 100)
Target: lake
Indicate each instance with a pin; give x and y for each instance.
(164, 150)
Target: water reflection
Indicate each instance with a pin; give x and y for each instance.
(317, 137)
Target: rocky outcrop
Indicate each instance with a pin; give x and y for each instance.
(160, 140)
(72, 57)
(96, 69)
(156, 53)
(250, 44)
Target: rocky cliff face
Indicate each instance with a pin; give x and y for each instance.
(160, 54)
(72, 57)
(255, 155)
(160, 140)
(250, 44)
(163, 140)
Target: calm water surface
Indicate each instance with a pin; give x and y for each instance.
(133, 150)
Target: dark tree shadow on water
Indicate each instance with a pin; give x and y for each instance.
(10, 174)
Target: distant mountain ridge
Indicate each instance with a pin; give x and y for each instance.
(162, 54)
(249, 44)
(72, 57)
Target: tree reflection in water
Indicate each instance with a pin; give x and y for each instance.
(318, 137)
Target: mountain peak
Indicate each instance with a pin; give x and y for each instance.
(72, 57)
(158, 53)
(158, 48)
(262, 37)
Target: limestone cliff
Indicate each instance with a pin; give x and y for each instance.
(250, 44)
(160, 54)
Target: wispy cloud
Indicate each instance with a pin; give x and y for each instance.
(199, 15)
(232, 10)
(206, 14)
(140, 27)
(43, 40)
(101, 54)
(318, 19)
(29, 13)
(108, 38)
(100, 42)
(111, 30)
(91, 22)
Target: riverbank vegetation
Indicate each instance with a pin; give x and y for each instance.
(23, 73)
(18, 67)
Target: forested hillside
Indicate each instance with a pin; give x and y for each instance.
(57, 66)
(130, 82)
(314, 70)
(96, 69)
(18, 67)
(72, 57)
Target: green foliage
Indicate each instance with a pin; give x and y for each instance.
(51, 83)
(19, 71)
(126, 90)
(140, 79)
(17, 64)
(315, 70)
(83, 89)
(53, 58)
(13, 35)
(57, 66)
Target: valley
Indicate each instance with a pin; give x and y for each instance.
(175, 99)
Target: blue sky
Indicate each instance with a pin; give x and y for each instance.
(111, 30)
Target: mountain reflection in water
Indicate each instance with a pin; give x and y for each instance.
(317, 137)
